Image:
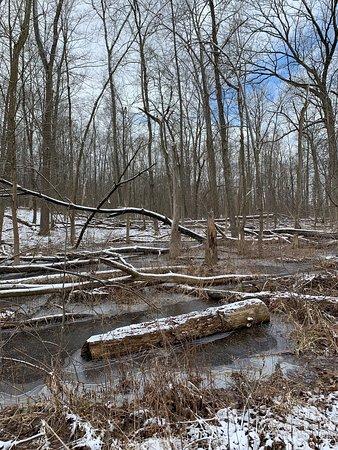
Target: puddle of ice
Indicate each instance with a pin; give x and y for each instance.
(258, 350)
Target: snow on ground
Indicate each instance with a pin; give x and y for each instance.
(29, 236)
(305, 427)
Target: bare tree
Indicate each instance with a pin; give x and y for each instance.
(302, 51)
(48, 59)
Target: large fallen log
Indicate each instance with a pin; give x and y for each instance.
(175, 329)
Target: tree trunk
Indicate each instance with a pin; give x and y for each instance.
(228, 179)
(300, 168)
(175, 236)
(211, 257)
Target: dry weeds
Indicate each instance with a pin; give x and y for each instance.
(314, 329)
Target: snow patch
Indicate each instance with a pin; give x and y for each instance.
(91, 439)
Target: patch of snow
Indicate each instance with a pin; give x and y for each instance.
(156, 443)
(159, 421)
(6, 314)
(91, 439)
(306, 427)
(30, 238)
(6, 445)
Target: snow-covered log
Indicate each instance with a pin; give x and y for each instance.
(172, 277)
(325, 301)
(47, 267)
(304, 232)
(42, 285)
(175, 329)
(44, 320)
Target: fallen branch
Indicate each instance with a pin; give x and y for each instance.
(304, 232)
(32, 268)
(23, 222)
(116, 186)
(112, 212)
(44, 320)
(171, 277)
(65, 282)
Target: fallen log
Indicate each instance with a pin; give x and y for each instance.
(47, 267)
(172, 277)
(44, 320)
(304, 232)
(67, 276)
(325, 301)
(223, 219)
(21, 221)
(175, 329)
(138, 249)
(66, 282)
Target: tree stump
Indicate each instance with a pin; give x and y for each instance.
(211, 257)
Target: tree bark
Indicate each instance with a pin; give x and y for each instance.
(228, 178)
(175, 329)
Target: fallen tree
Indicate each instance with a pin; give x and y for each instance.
(172, 277)
(326, 301)
(303, 232)
(225, 219)
(79, 259)
(112, 212)
(175, 329)
(23, 222)
(44, 320)
(67, 282)
(48, 267)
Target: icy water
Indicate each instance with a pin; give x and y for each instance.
(258, 349)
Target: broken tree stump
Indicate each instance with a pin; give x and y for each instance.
(175, 329)
(211, 257)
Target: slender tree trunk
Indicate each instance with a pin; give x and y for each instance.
(317, 188)
(242, 195)
(329, 120)
(175, 236)
(228, 181)
(300, 168)
(11, 123)
(209, 142)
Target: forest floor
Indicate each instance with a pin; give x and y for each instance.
(271, 386)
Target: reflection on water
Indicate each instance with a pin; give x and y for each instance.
(51, 348)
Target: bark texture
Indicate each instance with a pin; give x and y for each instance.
(171, 330)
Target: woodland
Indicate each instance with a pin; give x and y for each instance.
(168, 224)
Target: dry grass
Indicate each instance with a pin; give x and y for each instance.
(159, 400)
(174, 388)
(315, 330)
